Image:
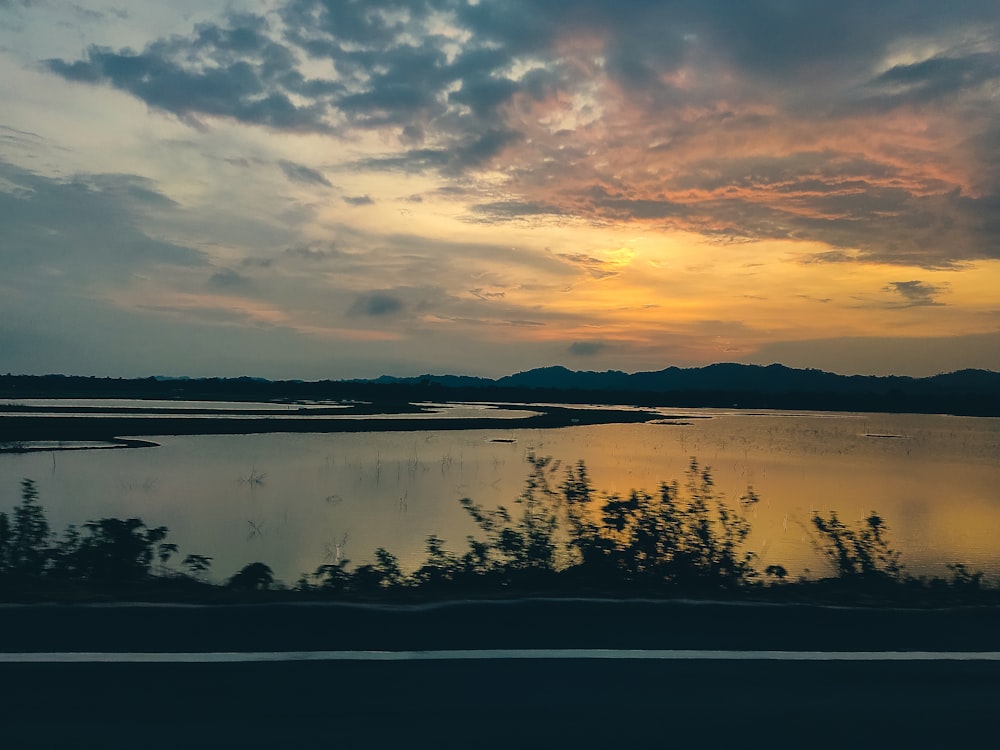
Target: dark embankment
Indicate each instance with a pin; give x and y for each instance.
(537, 623)
(14, 428)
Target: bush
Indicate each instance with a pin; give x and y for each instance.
(860, 552)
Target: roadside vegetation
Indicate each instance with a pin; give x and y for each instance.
(561, 537)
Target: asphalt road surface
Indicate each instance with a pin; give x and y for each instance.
(530, 700)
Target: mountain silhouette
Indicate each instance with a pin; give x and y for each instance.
(970, 392)
(727, 376)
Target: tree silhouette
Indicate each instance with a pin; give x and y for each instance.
(28, 550)
(197, 565)
(255, 576)
(116, 551)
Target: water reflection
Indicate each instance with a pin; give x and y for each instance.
(298, 501)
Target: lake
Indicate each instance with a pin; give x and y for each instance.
(297, 500)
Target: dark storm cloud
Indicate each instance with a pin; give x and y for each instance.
(376, 304)
(301, 173)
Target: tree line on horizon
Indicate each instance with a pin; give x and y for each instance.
(972, 392)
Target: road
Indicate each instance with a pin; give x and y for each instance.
(499, 702)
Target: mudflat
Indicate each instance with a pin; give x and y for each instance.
(17, 428)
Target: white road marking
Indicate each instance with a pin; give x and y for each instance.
(84, 657)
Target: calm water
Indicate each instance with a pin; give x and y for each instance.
(295, 501)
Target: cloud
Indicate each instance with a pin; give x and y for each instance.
(596, 267)
(921, 356)
(507, 210)
(934, 79)
(868, 129)
(486, 295)
(359, 200)
(586, 348)
(236, 71)
(18, 136)
(301, 173)
(311, 254)
(227, 279)
(835, 133)
(377, 305)
(916, 293)
(83, 227)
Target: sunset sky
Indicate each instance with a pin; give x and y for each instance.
(338, 188)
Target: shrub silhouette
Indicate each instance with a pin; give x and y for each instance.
(674, 538)
(861, 552)
(519, 547)
(255, 576)
(679, 537)
(964, 579)
(107, 554)
(24, 550)
(384, 573)
(564, 537)
(332, 577)
(197, 565)
(113, 551)
(441, 569)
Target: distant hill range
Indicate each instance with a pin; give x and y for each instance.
(729, 384)
(975, 392)
(719, 377)
(749, 386)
